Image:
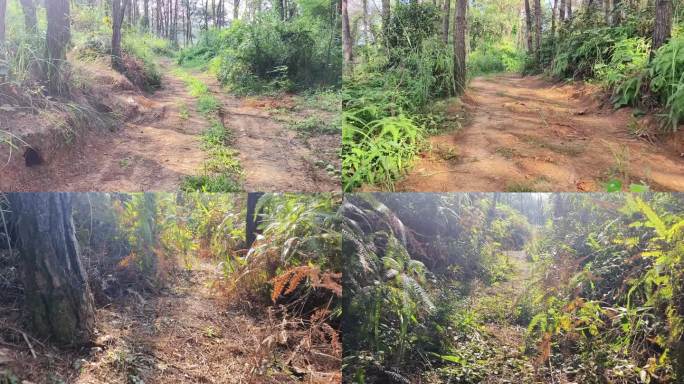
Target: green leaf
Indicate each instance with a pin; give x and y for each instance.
(638, 188)
(614, 186)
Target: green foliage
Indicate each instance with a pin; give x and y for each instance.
(494, 58)
(269, 54)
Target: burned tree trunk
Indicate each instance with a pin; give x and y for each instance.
(252, 220)
(58, 300)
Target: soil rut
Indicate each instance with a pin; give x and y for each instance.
(525, 133)
(273, 157)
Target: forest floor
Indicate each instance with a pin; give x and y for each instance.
(527, 134)
(186, 333)
(495, 350)
(159, 141)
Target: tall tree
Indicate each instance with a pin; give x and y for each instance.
(460, 46)
(118, 12)
(3, 10)
(30, 19)
(528, 26)
(58, 36)
(663, 23)
(538, 29)
(252, 217)
(561, 11)
(146, 15)
(553, 20)
(385, 21)
(366, 24)
(568, 13)
(617, 12)
(346, 37)
(58, 300)
(236, 9)
(445, 21)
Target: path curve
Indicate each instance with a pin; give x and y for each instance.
(525, 133)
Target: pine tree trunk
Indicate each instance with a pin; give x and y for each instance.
(561, 11)
(385, 21)
(30, 18)
(528, 25)
(346, 37)
(663, 23)
(252, 221)
(118, 12)
(445, 21)
(58, 36)
(58, 300)
(460, 46)
(617, 12)
(538, 29)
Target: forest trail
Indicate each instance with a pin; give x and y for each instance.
(185, 333)
(275, 158)
(497, 304)
(153, 150)
(527, 134)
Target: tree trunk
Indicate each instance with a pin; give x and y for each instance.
(553, 20)
(30, 18)
(346, 38)
(252, 221)
(58, 299)
(118, 12)
(528, 25)
(538, 29)
(568, 14)
(3, 10)
(58, 36)
(206, 15)
(617, 12)
(663, 24)
(445, 21)
(460, 46)
(146, 15)
(366, 25)
(385, 21)
(236, 9)
(561, 11)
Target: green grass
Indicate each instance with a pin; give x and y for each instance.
(314, 126)
(210, 183)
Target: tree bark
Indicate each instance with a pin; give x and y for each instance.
(146, 15)
(236, 9)
(528, 25)
(538, 29)
(568, 14)
(663, 23)
(30, 18)
(3, 10)
(617, 12)
(58, 36)
(118, 12)
(346, 38)
(460, 46)
(553, 20)
(385, 21)
(561, 11)
(366, 25)
(252, 221)
(445, 21)
(58, 300)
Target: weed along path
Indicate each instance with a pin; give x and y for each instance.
(526, 134)
(273, 156)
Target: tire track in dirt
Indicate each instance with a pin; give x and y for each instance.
(273, 157)
(525, 133)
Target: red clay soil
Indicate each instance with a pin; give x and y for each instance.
(527, 134)
(186, 333)
(160, 143)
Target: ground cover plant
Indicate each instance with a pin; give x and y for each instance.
(496, 288)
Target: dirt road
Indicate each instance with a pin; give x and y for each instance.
(526, 134)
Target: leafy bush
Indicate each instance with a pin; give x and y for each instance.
(269, 54)
(493, 58)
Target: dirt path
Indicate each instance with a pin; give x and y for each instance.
(526, 134)
(275, 158)
(153, 151)
(186, 333)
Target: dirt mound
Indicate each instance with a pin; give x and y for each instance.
(526, 134)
